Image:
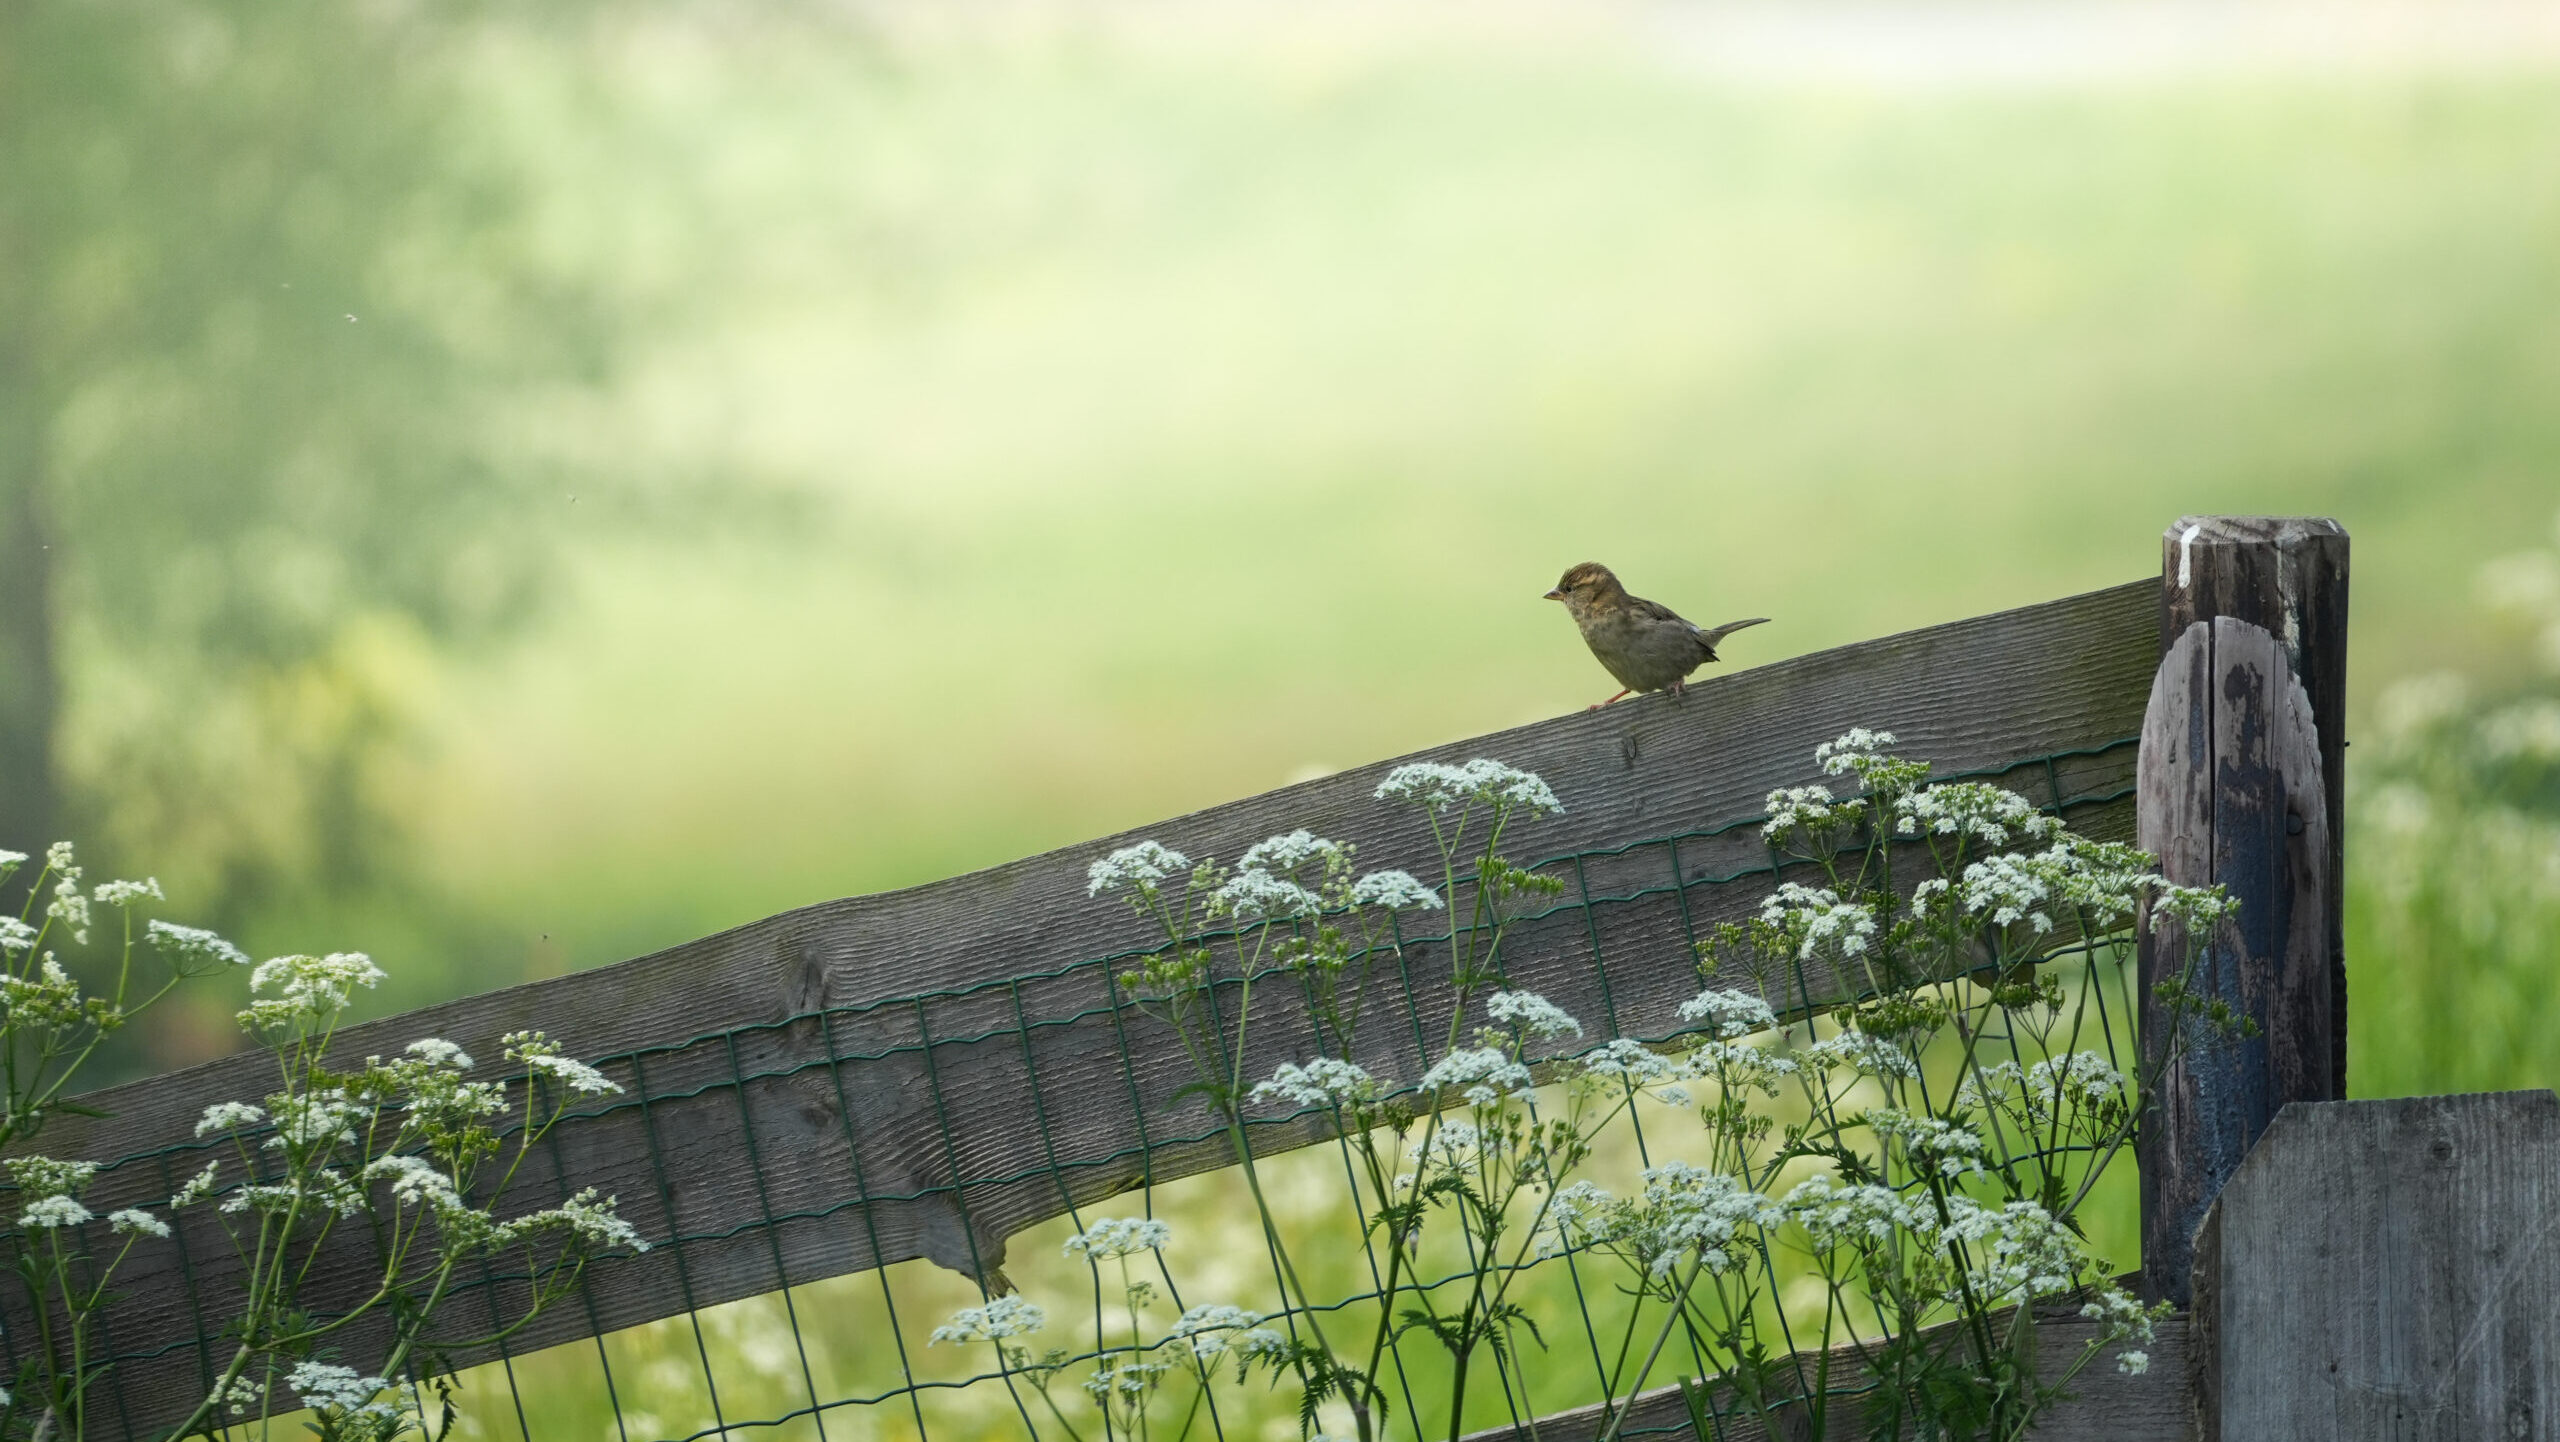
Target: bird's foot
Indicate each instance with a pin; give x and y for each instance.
(1596, 705)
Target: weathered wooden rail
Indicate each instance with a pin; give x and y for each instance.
(848, 1085)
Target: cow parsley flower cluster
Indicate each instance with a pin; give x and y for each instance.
(1484, 1075)
(1119, 1237)
(1927, 1143)
(1394, 891)
(192, 950)
(1531, 1013)
(1252, 896)
(294, 991)
(1972, 811)
(1325, 1081)
(540, 1056)
(1818, 918)
(1006, 1316)
(1141, 868)
(1443, 787)
(1869, 1134)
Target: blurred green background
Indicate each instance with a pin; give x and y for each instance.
(511, 489)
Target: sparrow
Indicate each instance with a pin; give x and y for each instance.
(1644, 643)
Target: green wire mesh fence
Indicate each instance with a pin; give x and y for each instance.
(909, 1156)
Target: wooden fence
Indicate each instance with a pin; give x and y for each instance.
(844, 1086)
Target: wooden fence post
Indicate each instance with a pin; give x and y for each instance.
(2240, 785)
(2385, 1269)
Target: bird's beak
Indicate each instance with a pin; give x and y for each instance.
(1553, 596)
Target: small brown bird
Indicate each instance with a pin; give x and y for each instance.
(1644, 643)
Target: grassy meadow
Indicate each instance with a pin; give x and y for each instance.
(1159, 414)
(1168, 420)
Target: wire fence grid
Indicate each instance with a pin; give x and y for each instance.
(844, 1356)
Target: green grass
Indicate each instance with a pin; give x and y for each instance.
(1182, 422)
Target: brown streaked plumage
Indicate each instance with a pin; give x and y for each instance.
(1645, 644)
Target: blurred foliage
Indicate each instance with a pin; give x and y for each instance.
(1183, 405)
(275, 308)
(2453, 899)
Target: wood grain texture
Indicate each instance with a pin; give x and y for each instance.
(2387, 1269)
(2288, 574)
(926, 1072)
(2105, 1405)
(2230, 794)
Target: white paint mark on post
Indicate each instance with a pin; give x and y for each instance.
(2187, 556)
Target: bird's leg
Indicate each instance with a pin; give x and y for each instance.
(1680, 689)
(1596, 705)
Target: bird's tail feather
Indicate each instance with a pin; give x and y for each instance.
(1713, 634)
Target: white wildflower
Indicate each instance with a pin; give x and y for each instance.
(1531, 1013)
(190, 946)
(126, 893)
(1443, 787)
(1260, 1344)
(1861, 1052)
(1283, 855)
(1007, 1316)
(1210, 1317)
(70, 907)
(1833, 756)
(1251, 896)
(56, 1211)
(586, 1221)
(2114, 1309)
(134, 1219)
(1729, 1014)
(1861, 753)
(1735, 1066)
(228, 1116)
(436, 1051)
(1326, 1081)
(2009, 889)
(2133, 1364)
(1810, 807)
(1812, 916)
(1577, 1214)
(2019, 1251)
(324, 1384)
(1394, 891)
(1930, 1143)
(577, 1076)
(1696, 1212)
(1213, 1329)
(1449, 1144)
(15, 935)
(324, 1117)
(1140, 867)
(307, 988)
(1508, 786)
(1972, 811)
(1629, 1062)
(1485, 1073)
(198, 1187)
(414, 1180)
(1119, 1237)
(39, 1176)
(2199, 909)
(1832, 1214)
(1126, 1381)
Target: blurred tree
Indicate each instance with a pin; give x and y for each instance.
(275, 310)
